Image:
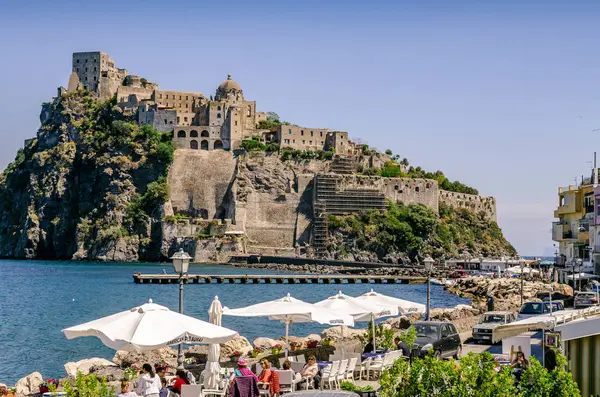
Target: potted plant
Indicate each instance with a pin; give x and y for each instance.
(256, 351)
(235, 356)
(162, 364)
(276, 349)
(295, 346)
(365, 391)
(48, 384)
(327, 342)
(131, 372)
(8, 391)
(311, 344)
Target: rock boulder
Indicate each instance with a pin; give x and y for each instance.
(167, 354)
(29, 384)
(84, 365)
(239, 343)
(268, 342)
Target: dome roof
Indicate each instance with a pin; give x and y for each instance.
(229, 84)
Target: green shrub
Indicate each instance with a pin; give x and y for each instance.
(88, 386)
(252, 145)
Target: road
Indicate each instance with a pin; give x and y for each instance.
(470, 346)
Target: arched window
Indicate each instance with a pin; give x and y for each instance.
(181, 134)
(204, 133)
(204, 145)
(193, 134)
(219, 108)
(218, 115)
(194, 144)
(218, 145)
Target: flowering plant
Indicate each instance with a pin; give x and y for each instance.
(3, 390)
(48, 382)
(296, 344)
(235, 354)
(256, 351)
(190, 360)
(161, 364)
(327, 341)
(277, 346)
(131, 372)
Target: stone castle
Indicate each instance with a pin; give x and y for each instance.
(219, 122)
(280, 209)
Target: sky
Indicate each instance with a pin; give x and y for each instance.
(501, 95)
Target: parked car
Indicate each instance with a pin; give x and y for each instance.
(440, 337)
(585, 299)
(484, 330)
(567, 300)
(532, 309)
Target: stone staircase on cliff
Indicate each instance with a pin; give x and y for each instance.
(320, 228)
(343, 165)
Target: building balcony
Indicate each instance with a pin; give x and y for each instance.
(562, 232)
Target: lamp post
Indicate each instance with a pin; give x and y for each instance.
(579, 262)
(522, 264)
(181, 260)
(428, 267)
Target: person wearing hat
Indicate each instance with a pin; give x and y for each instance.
(242, 370)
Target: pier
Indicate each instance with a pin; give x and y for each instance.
(139, 278)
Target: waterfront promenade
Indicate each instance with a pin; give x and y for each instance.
(140, 278)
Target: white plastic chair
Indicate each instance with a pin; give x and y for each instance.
(364, 368)
(341, 375)
(386, 362)
(287, 381)
(297, 367)
(301, 359)
(351, 368)
(259, 368)
(335, 357)
(330, 374)
(191, 391)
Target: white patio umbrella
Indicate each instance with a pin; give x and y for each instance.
(290, 310)
(360, 310)
(583, 276)
(403, 306)
(213, 369)
(148, 327)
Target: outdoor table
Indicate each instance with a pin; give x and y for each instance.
(364, 356)
(323, 364)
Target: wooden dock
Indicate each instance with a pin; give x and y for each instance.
(139, 278)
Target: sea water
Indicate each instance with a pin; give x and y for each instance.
(40, 298)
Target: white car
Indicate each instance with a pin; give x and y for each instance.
(585, 299)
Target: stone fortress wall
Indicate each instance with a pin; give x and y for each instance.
(473, 203)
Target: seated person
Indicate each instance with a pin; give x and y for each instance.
(125, 392)
(368, 347)
(180, 380)
(164, 392)
(401, 345)
(287, 366)
(268, 379)
(242, 370)
(311, 370)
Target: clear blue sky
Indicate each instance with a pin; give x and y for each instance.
(500, 95)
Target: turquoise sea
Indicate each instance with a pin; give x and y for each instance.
(40, 298)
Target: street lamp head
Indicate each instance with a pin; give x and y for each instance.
(579, 261)
(428, 261)
(181, 260)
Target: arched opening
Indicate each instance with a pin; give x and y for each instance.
(204, 133)
(204, 145)
(193, 134)
(218, 144)
(219, 108)
(194, 144)
(218, 115)
(181, 134)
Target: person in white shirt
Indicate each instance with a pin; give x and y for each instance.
(125, 390)
(148, 385)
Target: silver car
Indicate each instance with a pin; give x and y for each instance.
(585, 299)
(484, 330)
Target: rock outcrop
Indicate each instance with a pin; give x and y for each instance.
(89, 186)
(167, 354)
(505, 291)
(84, 366)
(239, 344)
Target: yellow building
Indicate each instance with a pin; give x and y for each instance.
(575, 214)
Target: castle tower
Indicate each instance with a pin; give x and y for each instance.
(229, 91)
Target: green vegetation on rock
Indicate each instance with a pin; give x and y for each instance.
(89, 187)
(415, 229)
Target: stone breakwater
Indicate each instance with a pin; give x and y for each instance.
(328, 269)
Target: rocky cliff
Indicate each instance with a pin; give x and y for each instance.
(90, 186)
